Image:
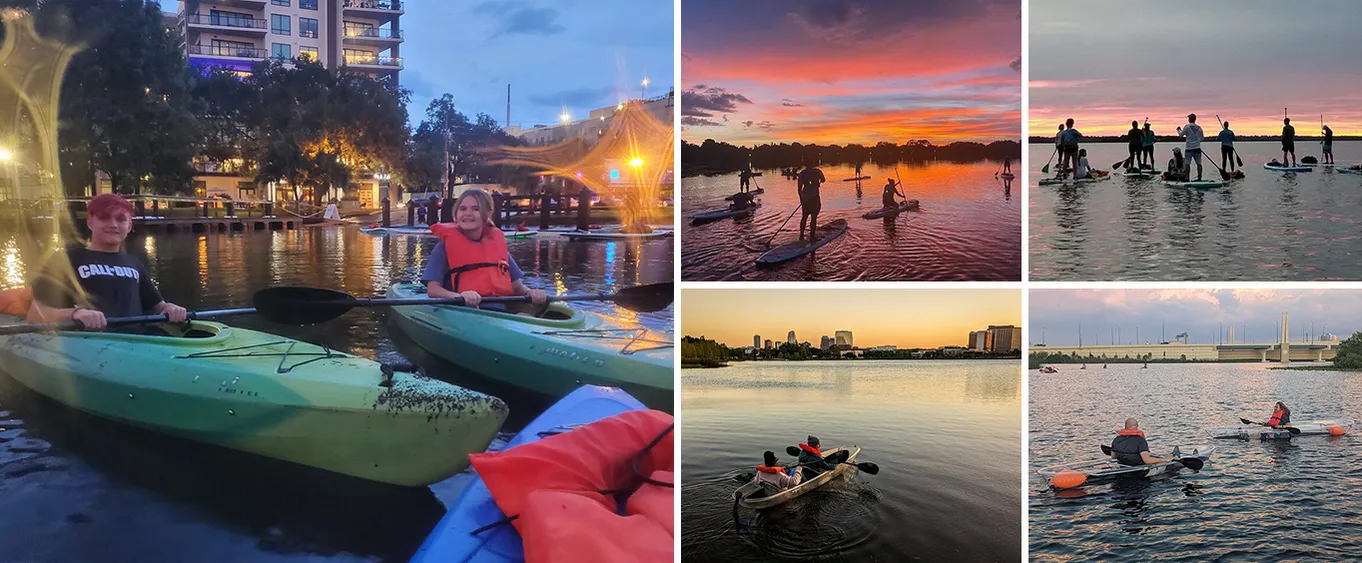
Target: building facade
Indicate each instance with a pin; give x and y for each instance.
(790, 338)
(843, 339)
(756, 341)
(1000, 338)
(978, 340)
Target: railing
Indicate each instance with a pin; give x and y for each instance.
(225, 21)
(373, 60)
(372, 32)
(392, 5)
(228, 51)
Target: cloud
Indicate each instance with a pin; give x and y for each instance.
(576, 97)
(698, 122)
(790, 103)
(517, 16)
(1015, 65)
(705, 101)
(747, 124)
(765, 125)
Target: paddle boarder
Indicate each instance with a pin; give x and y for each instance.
(1281, 416)
(809, 201)
(1192, 132)
(890, 190)
(1288, 142)
(1328, 143)
(770, 472)
(1059, 149)
(1130, 447)
(1148, 145)
(1069, 148)
(1177, 170)
(858, 171)
(112, 282)
(1007, 165)
(1226, 138)
(471, 260)
(812, 458)
(741, 200)
(1134, 146)
(745, 178)
(1083, 170)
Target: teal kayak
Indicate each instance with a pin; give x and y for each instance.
(453, 539)
(264, 394)
(551, 354)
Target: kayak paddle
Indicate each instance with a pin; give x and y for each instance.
(1292, 429)
(834, 458)
(310, 305)
(117, 321)
(1195, 464)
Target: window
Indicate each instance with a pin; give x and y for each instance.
(234, 19)
(307, 53)
(281, 51)
(307, 27)
(307, 4)
(357, 29)
(355, 56)
(220, 48)
(280, 24)
(200, 188)
(283, 3)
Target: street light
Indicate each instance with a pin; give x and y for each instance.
(5, 155)
(636, 162)
(565, 117)
(645, 87)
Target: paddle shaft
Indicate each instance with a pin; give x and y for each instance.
(787, 220)
(460, 300)
(116, 321)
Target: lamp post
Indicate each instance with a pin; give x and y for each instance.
(645, 88)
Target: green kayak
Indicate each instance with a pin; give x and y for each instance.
(551, 354)
(263, 394)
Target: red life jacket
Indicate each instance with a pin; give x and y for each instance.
(483, 266)
(1276, 419)
(1139, 433)
(810, 449)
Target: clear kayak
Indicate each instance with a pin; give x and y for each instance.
(453, 538)
(791, 250)
(760, 495)
(1315, 427)
(892, 211)
(1107, 469)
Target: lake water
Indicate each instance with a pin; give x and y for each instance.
(1253, 501)
(1268, 226)
(968, 227)
(945, 434)
(74, 487)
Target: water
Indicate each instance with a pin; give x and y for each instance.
(1269, 226)
(946, 435)
(967, 229)
(1252, 501)
(78, 488)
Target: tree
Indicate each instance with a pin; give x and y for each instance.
(467, 141)
(1350, 353)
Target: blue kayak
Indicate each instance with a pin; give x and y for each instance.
(452, 540)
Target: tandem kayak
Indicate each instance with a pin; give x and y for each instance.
(453, 538)
(1107, 469)
(758, 495)
(1202, 185)
(264, 394)
(551, 354)
(710, 217)
(892, 211)
(1280, 168)
(1315, 427)
(791, 250)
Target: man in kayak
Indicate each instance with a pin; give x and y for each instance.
(812, 459)
(1177, 170)
(111, 282)
(890, 190)
(1148, 145)
(1288, 142)
(1328, 144)
(1130, 448)
(1134, 146)
(471, 260)
(1069, 149)
(1192, 132)
(779, 477)
(809, 201)
(745, 178)
(1281, 416)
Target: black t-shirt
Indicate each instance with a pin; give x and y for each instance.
(1329, 137)
(117, 282)
(809, 180)
(1134, 137)
(1128, 448)
(1288, 133)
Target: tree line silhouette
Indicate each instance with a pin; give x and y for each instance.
(715, 157)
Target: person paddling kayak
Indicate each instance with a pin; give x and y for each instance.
(770, 472)
(890, 190)
(1226, 138)
(1134, 146)
(471, 260)
(812, 458)
(1328, 144)
(1288, 142)
(1148, 145)
(1281, 416)
(111, 281)
(1192, 132)
(809, 180)
(1130, 447)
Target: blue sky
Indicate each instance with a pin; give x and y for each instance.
(583, 54)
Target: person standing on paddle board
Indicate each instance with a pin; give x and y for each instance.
(771, 472)
(1148, 145)
(1059, 149)
(471, 260)
(1134, 146)
(858, 171)
(809, 201)
(890, 190)
(745, 178)
(812, 459)
(1069, 141)
(1281, 416)
(1192, 132)
(1328, 144)
(1288, 142)
(1226, 137)
(1007, 165)
(112, 282)
(1130, 447)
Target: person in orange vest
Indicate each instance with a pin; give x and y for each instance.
(1130, 448)
(1281, 416)
(812, 458)
(471, 261)
(771, 472)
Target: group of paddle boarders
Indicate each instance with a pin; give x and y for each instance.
(784, 478)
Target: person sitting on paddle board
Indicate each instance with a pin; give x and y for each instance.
(1281, 416)
(1226, 138)
(741, 200)
(1192, 132)
(745, 178)
(1069, 139)
(809, 201)
(1084, 170)
(890, 190)
(1134, 146)
(1288, 142)
(781, 478)
(112, 282)
(1148, 145)
(1177, 167)
(1328, 144)
(1130, 448)
(471, 261)
(812, 459)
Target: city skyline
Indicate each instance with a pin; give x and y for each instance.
(906, 318)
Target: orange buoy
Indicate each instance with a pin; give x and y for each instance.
(1337, 430)
(1068, 479)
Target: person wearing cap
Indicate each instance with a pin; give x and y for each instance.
(107, 281)
(1192, 132)
(1148, 145)
(1226, 138)
(771, 473)
(1288, 142)
(1328, 144)
(812, 459)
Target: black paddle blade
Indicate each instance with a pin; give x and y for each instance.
(1106, 450)
(1293, 430)
(1247, 421)
(1195, 464)
(302, 305)
(646, 298)
(838, 457)
(792, 450)
(869, 468)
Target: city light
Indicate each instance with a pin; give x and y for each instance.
(565, 117)
(5, 154)
(636, 162)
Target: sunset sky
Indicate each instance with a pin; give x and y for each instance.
(907, 318)
(1056, 314)
(850, 71)
(1108, 62)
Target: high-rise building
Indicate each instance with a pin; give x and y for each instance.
(768, 344)
(1016, 339)
(825, 343)
(843, 339)
(1000, 338)
(978, 340)
(791, 338)
(756, 341)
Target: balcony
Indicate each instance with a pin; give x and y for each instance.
(384, 10)
(238, 25)
(375, 36)
(362, 62)
(225, 51)
(251, 4)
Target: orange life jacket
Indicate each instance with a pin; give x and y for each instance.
(765, 469)
(810, 449)
(15, 301)
(1139, 433)
(1276, 419)
(483, 266)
